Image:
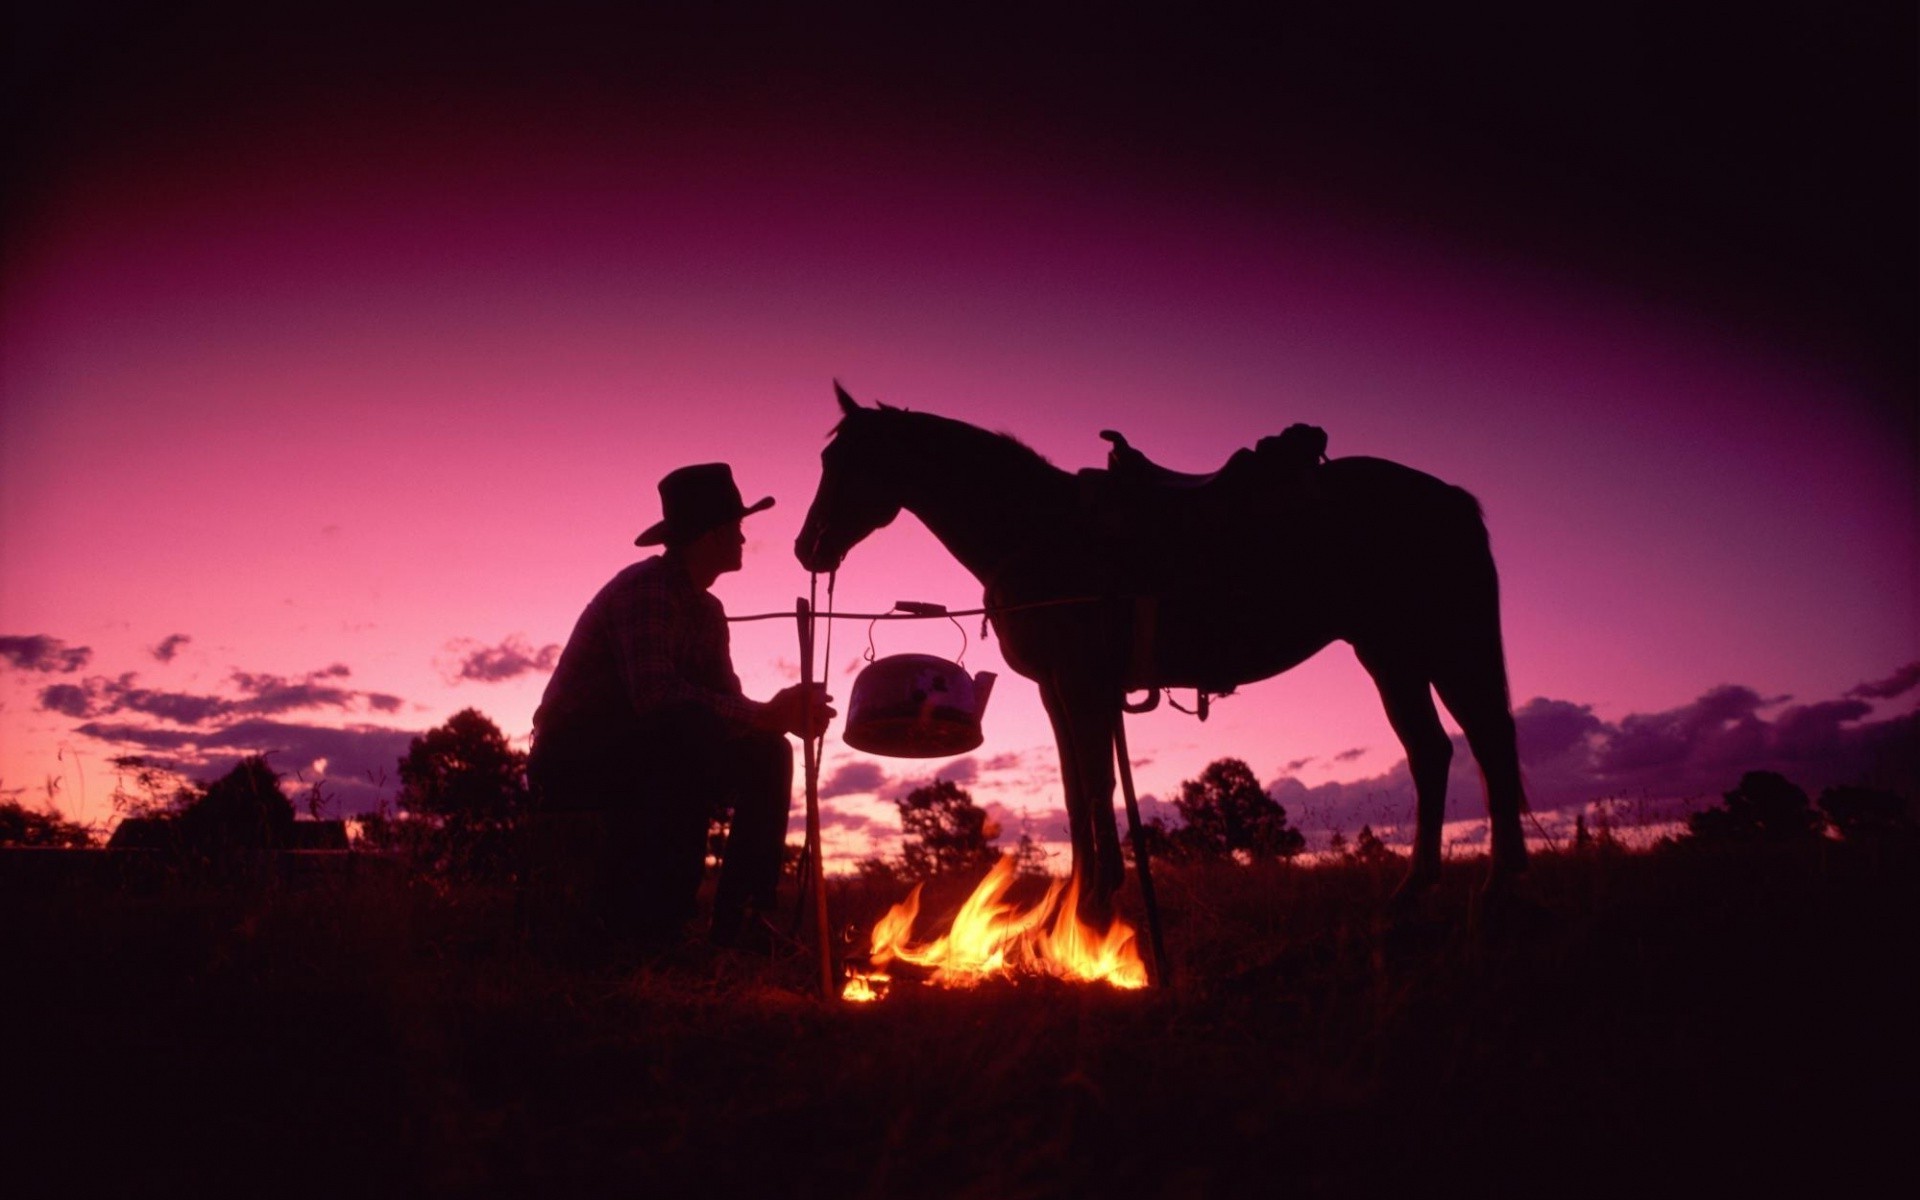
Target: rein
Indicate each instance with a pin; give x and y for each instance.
(915, 610)
(921, 611)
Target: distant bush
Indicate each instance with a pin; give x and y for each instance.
(219, 829)
(1225, 813)
(1369, 851)
(242, 810)
(21, 826)
(1765, 807)
(945, 832)
(1863, 813)
(463, 793)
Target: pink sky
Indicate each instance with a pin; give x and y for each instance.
(342, 392)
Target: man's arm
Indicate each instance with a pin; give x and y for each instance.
(651, 640)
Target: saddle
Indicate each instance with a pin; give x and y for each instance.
(1175, 537)
(1294, 451)
(1139, 498)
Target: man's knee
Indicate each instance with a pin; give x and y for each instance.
(768, 756)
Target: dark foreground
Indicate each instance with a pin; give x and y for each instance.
(1671, 1024)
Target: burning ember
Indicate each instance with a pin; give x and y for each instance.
(992, 938)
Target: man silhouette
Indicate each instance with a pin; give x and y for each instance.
(644, 735)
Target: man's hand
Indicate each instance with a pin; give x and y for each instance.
(804, 708)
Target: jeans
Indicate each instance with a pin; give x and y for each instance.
(623, 816)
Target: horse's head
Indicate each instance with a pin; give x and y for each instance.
(859, 490)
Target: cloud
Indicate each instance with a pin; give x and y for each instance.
(48, 655)
(181, 708)
(67, 699)
(266, 695)
(1549, 729)
(1810, 731)
(1899, 683)
(145, 736)
(360, 759)
(170, 646)
(1570, 757)
(1350, 755)
(202, 735)
(1152, 808)
(1049, 824)
(859, 778)
(960, 770)
(843, 818)
(512, 658)
(260, 695)
(1724, 724)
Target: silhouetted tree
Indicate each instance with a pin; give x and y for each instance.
(945, 831)
(21, 826)
(1159, 837)
(226, 825)
(243, 807)
(1766, 807)
(1861, 813)
(1226, 812)
(1337, 845)
(470, 785)
(1029, 857)
(1370, 851)
(156, 789)
(876, 871)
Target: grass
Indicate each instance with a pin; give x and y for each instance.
(1666, 1022)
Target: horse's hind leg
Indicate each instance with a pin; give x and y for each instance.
(1476, 695)
(1408, 699)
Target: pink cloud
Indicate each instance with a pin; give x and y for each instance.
(38, 652)
(512, 658)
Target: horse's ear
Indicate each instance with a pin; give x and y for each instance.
(847, 404)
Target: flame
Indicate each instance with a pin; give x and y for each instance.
(991, 937)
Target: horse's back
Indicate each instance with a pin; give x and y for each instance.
(1382, 484)
(1382, 508)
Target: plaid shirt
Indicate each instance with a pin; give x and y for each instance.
(650, 640)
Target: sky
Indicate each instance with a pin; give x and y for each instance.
(341, 350)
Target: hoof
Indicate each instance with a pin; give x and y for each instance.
(1414, 888)
(1095, 908)
(1503, 877)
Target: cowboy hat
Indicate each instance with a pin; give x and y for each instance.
(695, 499)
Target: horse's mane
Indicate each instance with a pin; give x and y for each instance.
(971, 438)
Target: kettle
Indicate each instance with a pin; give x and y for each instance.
(916, 706)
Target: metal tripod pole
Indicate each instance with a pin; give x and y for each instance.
(810, 747)
(1162, 968)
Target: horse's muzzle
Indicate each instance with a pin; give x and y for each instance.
(807, 548)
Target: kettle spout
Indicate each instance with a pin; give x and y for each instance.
(982, 689)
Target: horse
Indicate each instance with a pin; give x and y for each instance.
(1098, 587)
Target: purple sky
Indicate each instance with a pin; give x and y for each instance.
(342, 352)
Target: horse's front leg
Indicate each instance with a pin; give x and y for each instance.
(1083, 718)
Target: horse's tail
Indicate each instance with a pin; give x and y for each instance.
(1482, 585)
(1487, 647)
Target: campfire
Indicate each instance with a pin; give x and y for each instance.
(992, 938)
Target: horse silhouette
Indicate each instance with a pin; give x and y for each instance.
(1107, 582)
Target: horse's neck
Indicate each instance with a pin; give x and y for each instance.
(989, 504)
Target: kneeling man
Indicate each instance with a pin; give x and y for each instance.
(644, 735)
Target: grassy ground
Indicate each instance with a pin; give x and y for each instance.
(1673, 1023)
